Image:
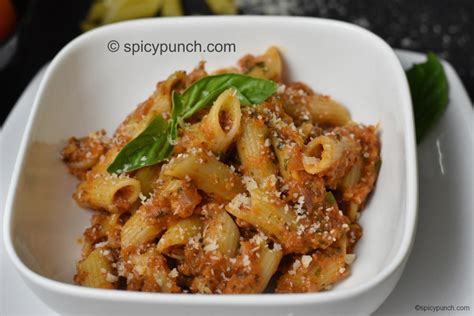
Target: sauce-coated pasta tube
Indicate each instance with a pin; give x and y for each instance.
(265, 213)
(138, 231)
(254, 150)
(314, 273)
(221, 125)
(330, 156)
(149, 272)
(254, 267)
(326, 111)
(222, 234)
(178, 235)
(266, 66)
(111, 193)
(96, 271)
(147, 177)
(208, 173)
(268, 261)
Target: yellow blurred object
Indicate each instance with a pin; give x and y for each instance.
(110, 11)
(104, 12)
(222, 6)
(120, 10)
(172, 8)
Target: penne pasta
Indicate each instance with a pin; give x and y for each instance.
(254, 267)
(178, 235)
(314, 273)
(113, 194)
(242, 183)
(265, 213)
(266, 66)
(209, 174)
(325, 111)
(253, 147)
(149, 272)
(221, 234)
(147, 177)
(138, 231)
(220, 126)
(330, 156)
(268, 261)
(96, 271)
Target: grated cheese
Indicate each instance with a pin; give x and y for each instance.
(306, 260)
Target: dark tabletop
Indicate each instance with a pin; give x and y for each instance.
(442, 26)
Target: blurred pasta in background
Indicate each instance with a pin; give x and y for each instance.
(104, 12)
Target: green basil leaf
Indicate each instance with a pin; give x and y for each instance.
(429, 93)
(148, 148)
(249, 90)
(176, 112)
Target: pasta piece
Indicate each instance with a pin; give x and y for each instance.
(330, 156)
(96, 271)
(208, 173)
(158, 104)
(268, 261)
(359, 182)
(221, 234)
(220, 126)
(105, 230)
(353, 176)
(295, 96)
(254, 151)
(254, 267)
(353, 212)
(265, 213)
(287, 144)
(149, 272)
(80, 155)
(111, 193)
(205, 261)
(314, 273)
(286, 156)
(178, 235)
(100, 169)
(266, 66)
(183, 197)
(138, 231)
(227, 70)
(353, 236)
(148, 177)
(326, 111)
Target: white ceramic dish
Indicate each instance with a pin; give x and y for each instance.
(442, 162)
(87, 88)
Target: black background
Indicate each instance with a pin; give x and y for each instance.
(443, 26)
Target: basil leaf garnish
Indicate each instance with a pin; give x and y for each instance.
(175, 117)
(429, 93)
(148, 148)
(249, 90)
(156, 142)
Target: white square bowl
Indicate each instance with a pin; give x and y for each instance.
(88, 87)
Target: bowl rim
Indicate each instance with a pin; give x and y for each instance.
(227, 299)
